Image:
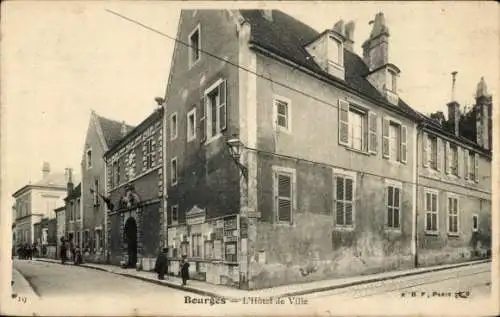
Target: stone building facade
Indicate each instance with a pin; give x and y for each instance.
(326, 182)
(102, 134)
(134, 190)
(36, 201)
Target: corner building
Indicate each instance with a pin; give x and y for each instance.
(325, 185)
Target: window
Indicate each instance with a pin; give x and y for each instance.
(475, 223)
(433, 152)
(173, 126)
(72, 211)
(215, 103)
(471, 165)
(452, 215)
(431, 211)
(89, 158)
(453, 159)
(353, 128)
(209, 250)
(173, 171)
(78, 235)
(284, 180)
(344, 200)
(335, 51)
(174, 214)
(149, 152)
(357, 129)
(98, 238)
(194, 46)
(96, 192)
(77, 209)
(191, 125)
(116, 173)
(393, 206)
(391, 81)
(395, 141)
(196, 245)
(282, 114)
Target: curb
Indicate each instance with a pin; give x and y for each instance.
(28, 282)
(296, 293)
(145, 279)
(379, 279)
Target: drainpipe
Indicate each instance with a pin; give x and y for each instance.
(104, 235)
(165, 184)
(414, 227)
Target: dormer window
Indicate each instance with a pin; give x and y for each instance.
(335, 51)
(391, 81)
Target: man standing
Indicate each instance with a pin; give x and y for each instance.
(161, 264)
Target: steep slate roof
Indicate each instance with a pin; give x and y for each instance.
(288, 37)
(77, 192)
(112, 130)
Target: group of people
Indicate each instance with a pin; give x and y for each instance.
(161, 266)
(76, 255)
(26, 251)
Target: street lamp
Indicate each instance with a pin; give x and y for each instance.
(236, 147)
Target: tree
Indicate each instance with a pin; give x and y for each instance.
(438, 116)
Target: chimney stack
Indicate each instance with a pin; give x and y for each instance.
(349, 35)
(454, 108)
(483, 111)
(124, 129)
(268, 15)
(69, 172)
(45, 169)
(376, 48)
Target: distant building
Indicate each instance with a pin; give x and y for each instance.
(102, 134)
(454, 183)
(60, 227)
(73, 213)
(134, 191)
(36, 201)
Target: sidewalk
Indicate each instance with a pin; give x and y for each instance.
(207, 289)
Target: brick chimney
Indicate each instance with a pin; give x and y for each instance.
(349, 36)
(268, 15)
(45, 169)
(124, 129)
(483, 111)
(383, 75)
(70, 186)
(454, 108)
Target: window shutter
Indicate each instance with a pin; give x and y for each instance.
(439, 154)
(459, 162)
(222, 106)
(372, 132)
(466, 164)
(203, 121)
(447, 160)
(343, 122)
(404, 146)
(476, 167)
(385, 138)
(425, 150)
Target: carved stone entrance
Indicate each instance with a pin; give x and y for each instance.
(130, 238)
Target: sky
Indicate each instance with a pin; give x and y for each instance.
(60, 60)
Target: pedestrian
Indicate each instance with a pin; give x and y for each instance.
(29, 252)
(78, 256)
(184, 270)
(161, 264)
(63, 250)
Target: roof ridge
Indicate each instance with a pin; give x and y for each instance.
(112, 120)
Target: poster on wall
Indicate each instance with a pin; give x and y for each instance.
(218, 249)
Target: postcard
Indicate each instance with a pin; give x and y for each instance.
(242, 158)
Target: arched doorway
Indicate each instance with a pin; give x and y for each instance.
(131, 240)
